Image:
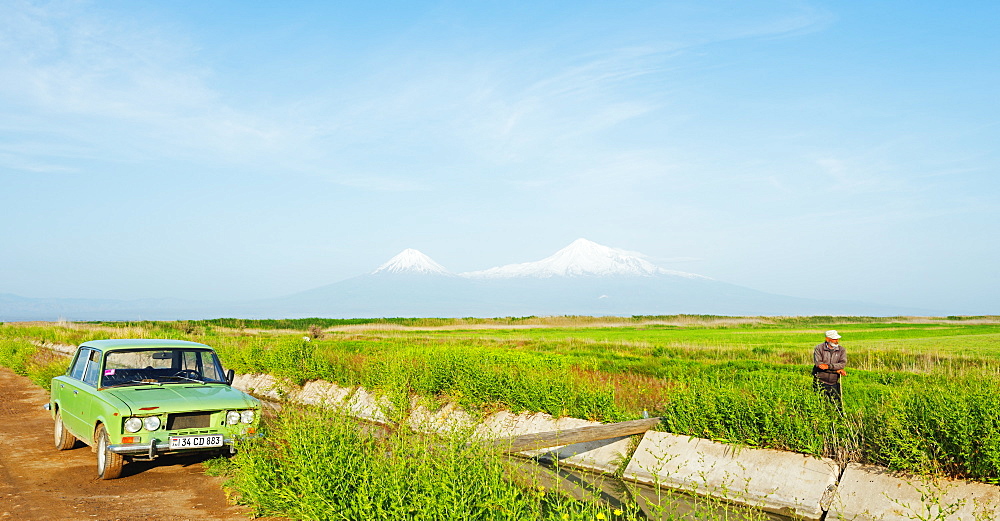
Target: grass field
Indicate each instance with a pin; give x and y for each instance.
(921, 394)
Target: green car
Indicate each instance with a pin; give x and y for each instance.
(137, 399)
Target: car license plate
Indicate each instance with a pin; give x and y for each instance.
(195, 442)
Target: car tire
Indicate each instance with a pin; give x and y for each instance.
(109, 464)
(64, 440)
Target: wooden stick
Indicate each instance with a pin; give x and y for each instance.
(541, 440)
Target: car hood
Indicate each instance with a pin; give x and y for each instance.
(183, 398)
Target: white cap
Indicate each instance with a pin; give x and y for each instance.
(832, 334)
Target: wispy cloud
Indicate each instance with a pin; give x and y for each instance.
(22, 163)
(118, 89)
(109, 85)
(383, 184)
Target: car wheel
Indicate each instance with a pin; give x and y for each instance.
(64, 440)
(109, 464)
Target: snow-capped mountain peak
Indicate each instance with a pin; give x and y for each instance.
(582, 258)
(412, 261)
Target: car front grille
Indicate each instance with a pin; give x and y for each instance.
(189, 420)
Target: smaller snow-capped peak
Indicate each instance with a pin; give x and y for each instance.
(582, 258)
(412, 261)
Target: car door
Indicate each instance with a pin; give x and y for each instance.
(68, 388)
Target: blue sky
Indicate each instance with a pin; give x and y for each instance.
(232, 150)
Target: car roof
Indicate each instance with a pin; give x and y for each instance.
(131, 343)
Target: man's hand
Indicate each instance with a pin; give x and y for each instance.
(841, 372)
(823, 367)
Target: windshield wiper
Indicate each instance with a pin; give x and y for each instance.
(202, 382)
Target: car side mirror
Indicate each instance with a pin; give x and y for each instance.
(229, 376)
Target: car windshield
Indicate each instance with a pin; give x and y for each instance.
(161, 366)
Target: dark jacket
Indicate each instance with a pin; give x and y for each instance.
(832, 355)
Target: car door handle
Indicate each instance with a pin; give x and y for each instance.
(61, 386)
(76, 392)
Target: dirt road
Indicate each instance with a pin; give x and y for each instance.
(37, 482)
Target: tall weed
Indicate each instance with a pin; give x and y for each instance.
(318, 465)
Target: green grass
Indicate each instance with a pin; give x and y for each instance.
(318, 464)
(744, 383)
(27, 359)
(920, 395)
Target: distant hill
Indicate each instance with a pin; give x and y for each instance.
(14, 308)
(584, 278)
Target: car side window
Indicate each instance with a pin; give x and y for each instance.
(93, 368)
(81, 361)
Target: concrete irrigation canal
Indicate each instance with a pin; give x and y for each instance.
(786, 485)
(653, 503)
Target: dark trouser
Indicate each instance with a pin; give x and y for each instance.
(831, 391)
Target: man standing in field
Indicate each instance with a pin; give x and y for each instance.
(829, 361)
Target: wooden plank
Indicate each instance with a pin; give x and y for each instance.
(542, 440)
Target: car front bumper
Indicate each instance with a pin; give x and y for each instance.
(156, 447)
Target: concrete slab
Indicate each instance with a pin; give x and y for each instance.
(500, 425)
(868, 493)
(601, 456)
(321, 392)
(505, 424)
(449, 419)
(421, 419)
(784, 483)
(537, 422)
(605, 456)
(368, 406)
(263, 385)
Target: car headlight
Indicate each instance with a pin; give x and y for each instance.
(133, 424)
(232, 417)
(151, 423)
(247, 416)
